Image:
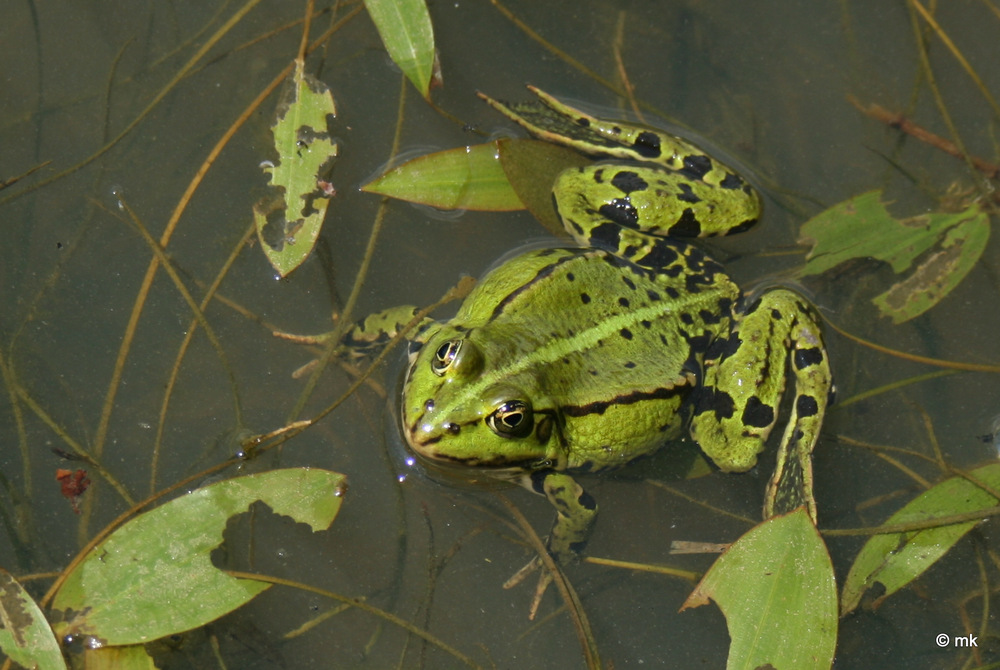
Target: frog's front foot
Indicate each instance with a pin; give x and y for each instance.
(544, 579)
(576, 512)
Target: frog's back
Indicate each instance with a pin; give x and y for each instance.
(608, 347)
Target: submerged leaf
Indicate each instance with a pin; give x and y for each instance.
(289, 219)
(25, 636)
(406, 31)
(531, 167)
(896, 559)
(154, 576)
(128, 657)
(776, 587)
(947, 246)
(462, 178)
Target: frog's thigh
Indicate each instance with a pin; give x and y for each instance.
(600, 203)
(744, 378)
(576, 512)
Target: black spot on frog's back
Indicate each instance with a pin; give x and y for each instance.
(807, 357)
(687, 225)
(687, 194)
(621, 211)
(660, 255)
(757, 414)
(731, 182)
(627, 182)
(647, 145)
(806, 405)
(714, 400)
(696, 166)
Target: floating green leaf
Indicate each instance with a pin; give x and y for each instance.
(896, 559)
(531, 167)
(776, 587)
(154, 576)
(406, 31)
(946, 245)
(25, 636)
(462, 178)
(290, 217)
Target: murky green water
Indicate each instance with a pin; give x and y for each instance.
(766, 85)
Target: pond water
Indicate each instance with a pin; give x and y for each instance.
(765, 84)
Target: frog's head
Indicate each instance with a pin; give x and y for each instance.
(461, 408)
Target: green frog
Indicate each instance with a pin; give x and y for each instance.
(565, 361)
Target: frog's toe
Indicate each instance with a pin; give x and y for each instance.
(544, 579)
(543, 583)
(519, 576)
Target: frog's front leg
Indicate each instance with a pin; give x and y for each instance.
(368, 336)
(576, 512)
(744, 376)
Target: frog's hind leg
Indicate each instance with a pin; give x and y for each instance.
(607, 199)
(744, 377)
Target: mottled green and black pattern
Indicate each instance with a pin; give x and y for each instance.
(603, 389)
(678, 190)
(568, 361)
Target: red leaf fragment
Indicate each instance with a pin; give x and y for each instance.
(73, 485)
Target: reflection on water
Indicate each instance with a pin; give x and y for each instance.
(74, 269)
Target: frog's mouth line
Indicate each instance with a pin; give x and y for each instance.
(424, 450)
(457, 474)
(494, 465)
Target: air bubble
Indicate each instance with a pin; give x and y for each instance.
(118, 193)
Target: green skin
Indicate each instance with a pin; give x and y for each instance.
(582, 359)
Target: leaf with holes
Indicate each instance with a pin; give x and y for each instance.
(289, 218)
(154, 576)
(941, 248)
(25, 636)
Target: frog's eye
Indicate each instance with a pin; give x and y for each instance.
(445, 356)
(511, 419)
